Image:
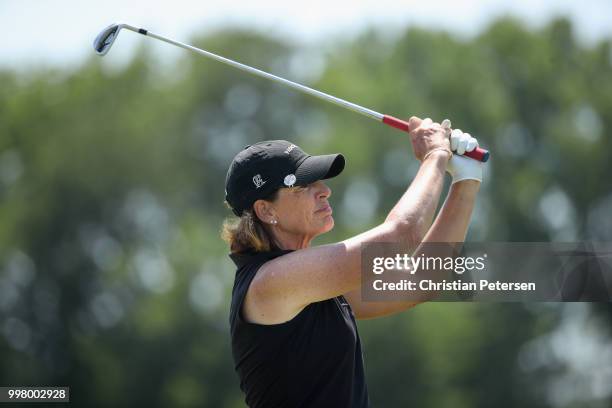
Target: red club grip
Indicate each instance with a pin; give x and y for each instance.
(476, 154)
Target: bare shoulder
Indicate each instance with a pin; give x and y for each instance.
(280, 289)
(285, 285)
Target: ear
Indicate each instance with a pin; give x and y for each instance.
(264, 210)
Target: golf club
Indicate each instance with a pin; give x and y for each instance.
(107, 37)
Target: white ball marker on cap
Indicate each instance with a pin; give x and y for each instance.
(289, 180)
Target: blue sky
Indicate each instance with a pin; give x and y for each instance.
(60, 32)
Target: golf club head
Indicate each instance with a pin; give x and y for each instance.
(104, 41)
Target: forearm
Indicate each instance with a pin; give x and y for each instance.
(416, 208)
(452, 222)
(450, 225)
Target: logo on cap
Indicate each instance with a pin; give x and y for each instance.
(290, 148)
(289, 180)
(258, 181)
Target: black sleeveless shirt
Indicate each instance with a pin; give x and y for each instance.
(313, 360)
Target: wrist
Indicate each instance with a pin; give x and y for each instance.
(459, 179)
(465, 188)
(467, 184)
(439, 153)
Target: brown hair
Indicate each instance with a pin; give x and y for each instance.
(248, 233)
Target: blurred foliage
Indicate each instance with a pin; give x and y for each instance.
(114, 280)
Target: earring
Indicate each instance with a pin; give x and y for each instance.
(273, 222)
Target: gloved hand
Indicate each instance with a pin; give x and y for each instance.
(460, 167)
(462, 142)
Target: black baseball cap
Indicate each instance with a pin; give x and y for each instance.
(260, 169)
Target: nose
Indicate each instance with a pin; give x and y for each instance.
(323, 191)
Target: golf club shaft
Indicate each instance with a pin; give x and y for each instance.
(477, 154)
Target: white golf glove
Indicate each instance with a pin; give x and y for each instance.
(460, 167)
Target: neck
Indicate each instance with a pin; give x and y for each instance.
(291, 241)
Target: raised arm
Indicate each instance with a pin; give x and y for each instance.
(285, 285)
(451, 224)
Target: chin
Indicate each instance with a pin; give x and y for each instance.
(329, 224)
(324, 225)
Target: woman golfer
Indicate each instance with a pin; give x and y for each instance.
(294, 338)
